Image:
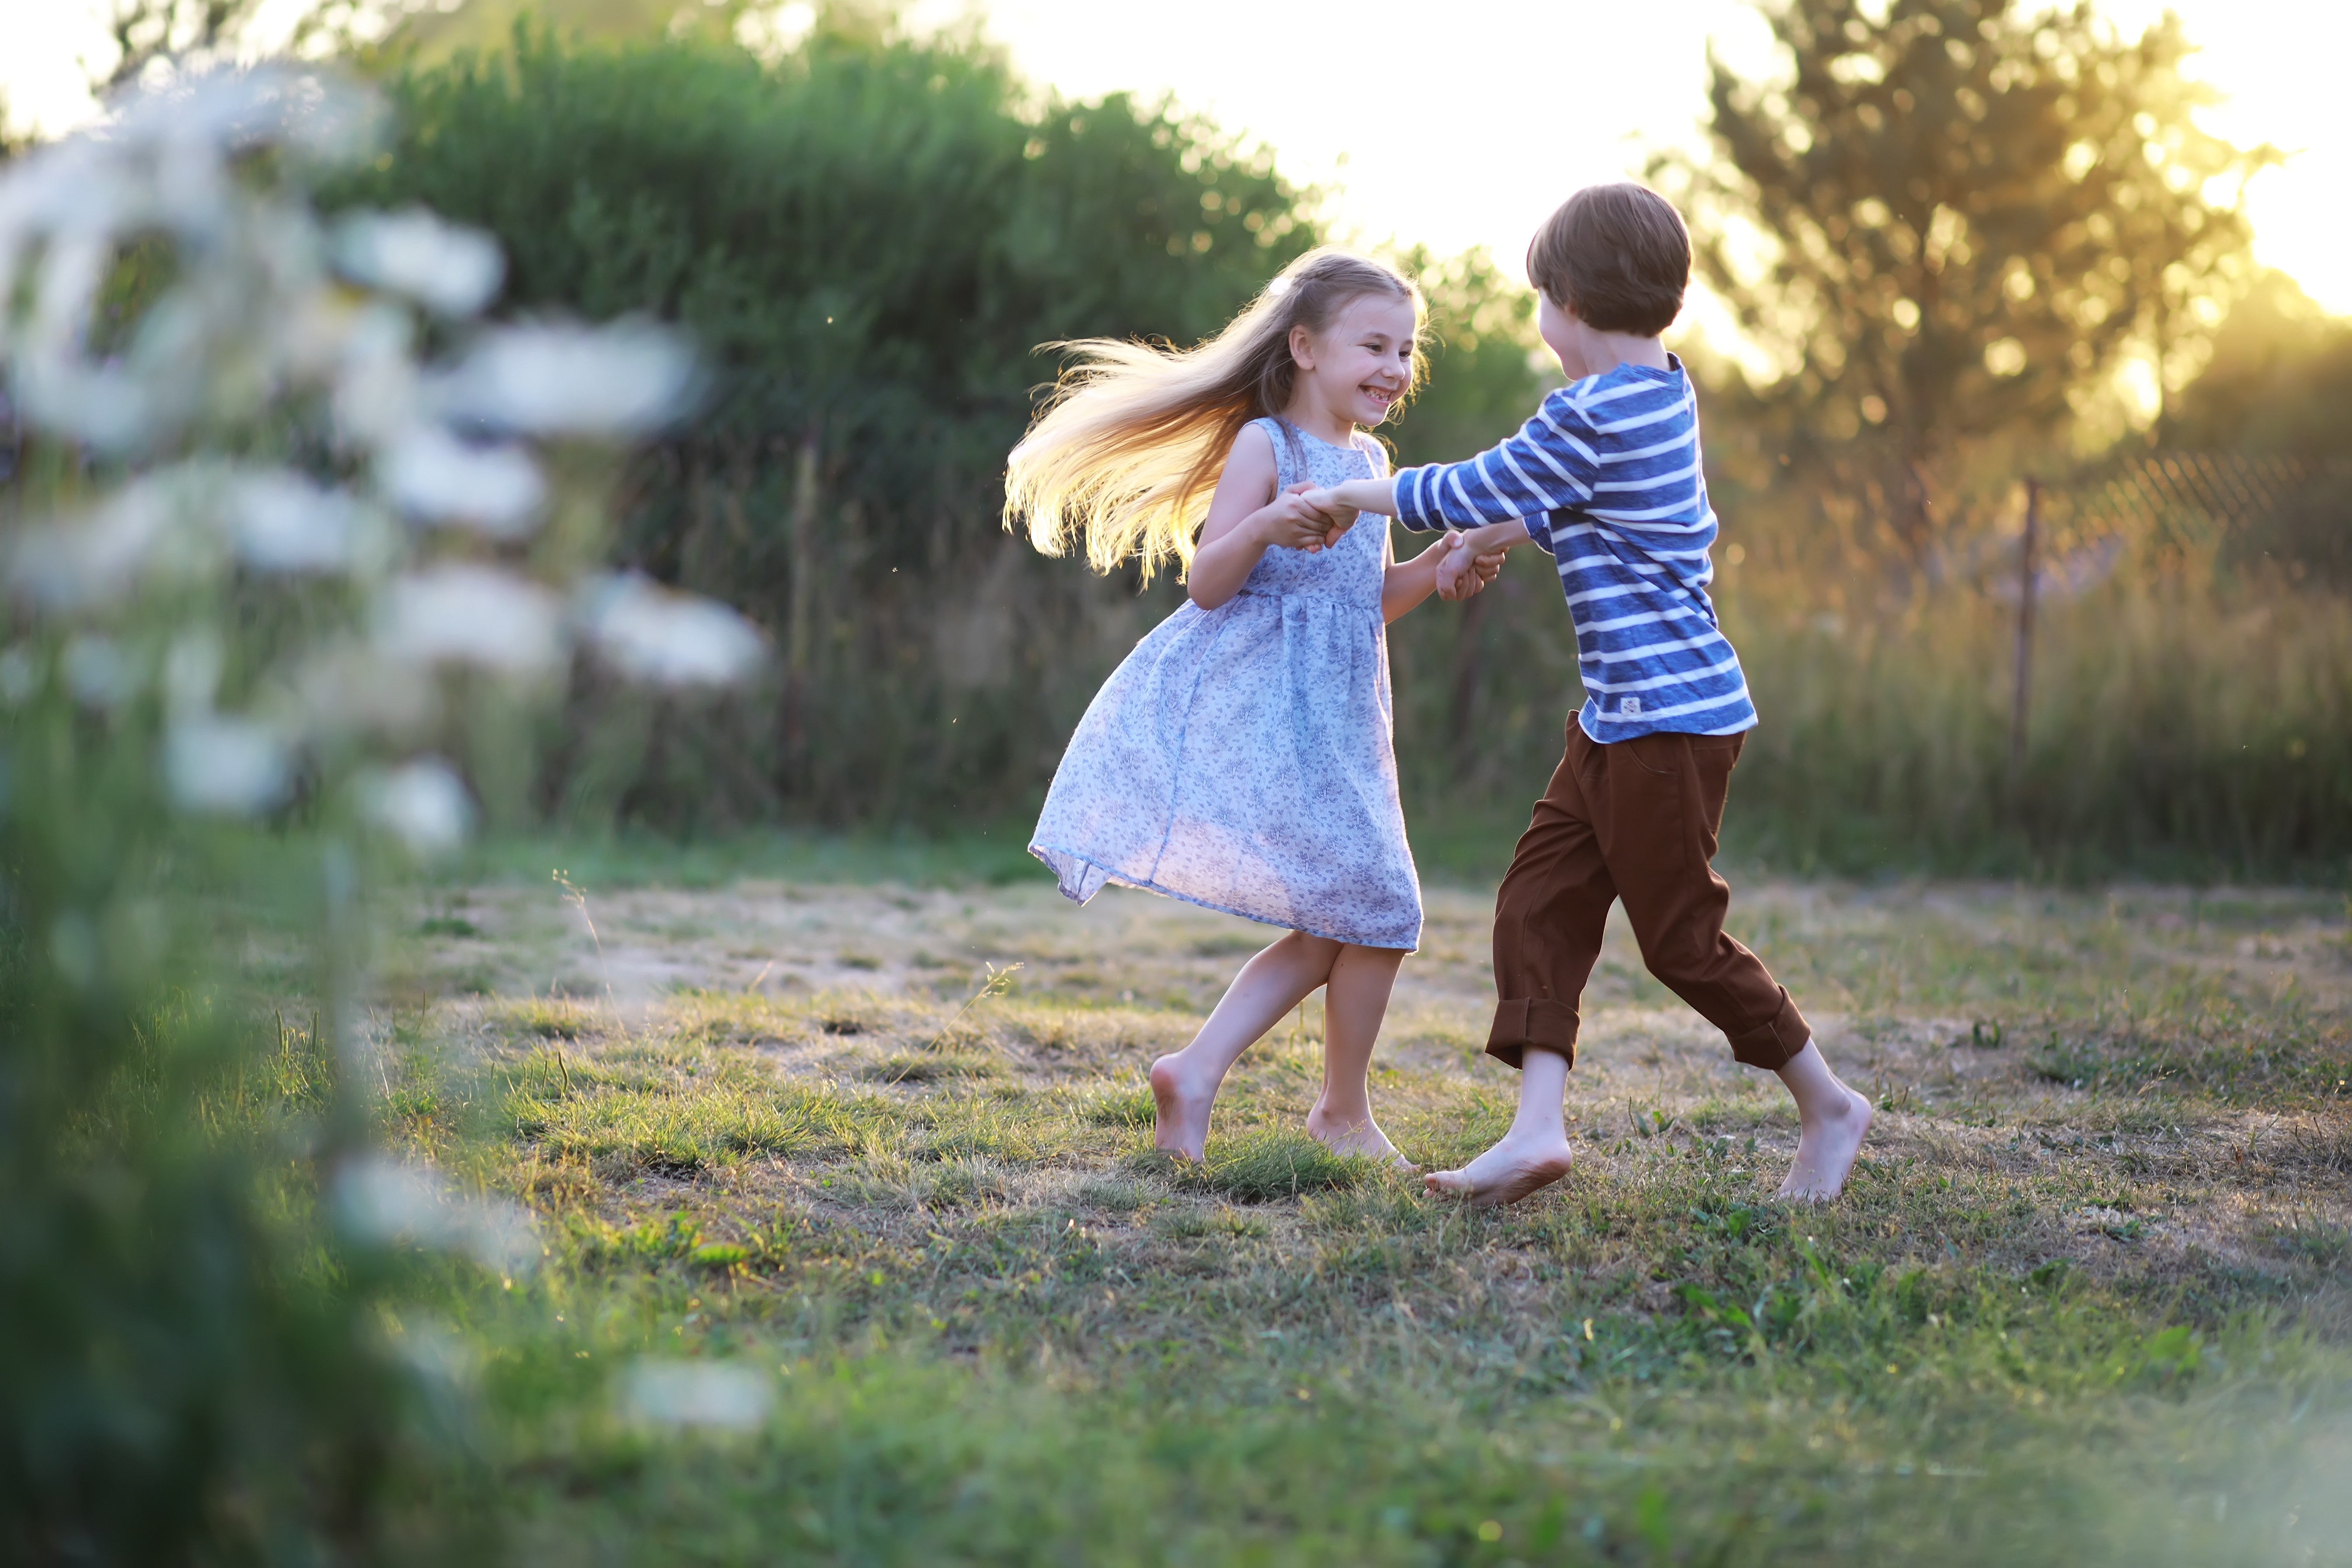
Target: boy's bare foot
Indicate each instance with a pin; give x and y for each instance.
(1826, 1150)
(1363, 1137)
(1505, 1173)
(1179, 1119)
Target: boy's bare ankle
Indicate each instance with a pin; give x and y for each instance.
(1524, 1163)
(1829, 1142)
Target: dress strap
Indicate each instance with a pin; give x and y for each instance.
(1290, 457)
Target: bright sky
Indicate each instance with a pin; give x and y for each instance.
(1467, 129)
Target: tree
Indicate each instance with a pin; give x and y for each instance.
(1971, 213)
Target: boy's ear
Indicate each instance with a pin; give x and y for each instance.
(1302, 347)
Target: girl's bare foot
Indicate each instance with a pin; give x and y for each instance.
(1363, 1137)
(1179, 1119)
(1518, 1165)
(1827, 1146)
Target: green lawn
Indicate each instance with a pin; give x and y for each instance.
(2088, 1297)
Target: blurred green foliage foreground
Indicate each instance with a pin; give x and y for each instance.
(1982, 228)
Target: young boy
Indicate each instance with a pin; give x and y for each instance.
(1606, 478)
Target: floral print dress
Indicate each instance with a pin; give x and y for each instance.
(1242, 758)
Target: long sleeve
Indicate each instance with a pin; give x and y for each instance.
(1548, 466)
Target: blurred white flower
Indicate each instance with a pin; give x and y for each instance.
(469, 615)
(445, 267)
(78, 562)
(385, 1201)
(58, 386)
(547, 379)
(225, 766)
(422, 804)
(429, 473)
(433, 1351)
(97, 672)
(229, 110)
(670, 639)
(720, 1396)
(282, 522)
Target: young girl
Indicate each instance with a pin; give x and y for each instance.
(1240, 757)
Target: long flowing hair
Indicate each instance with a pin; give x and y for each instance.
(1127, 450)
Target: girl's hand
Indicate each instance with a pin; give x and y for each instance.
(1298, 520)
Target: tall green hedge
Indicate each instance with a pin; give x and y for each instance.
(871, 241)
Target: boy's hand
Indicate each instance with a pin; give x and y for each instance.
(1298, 520)
(1464, 571)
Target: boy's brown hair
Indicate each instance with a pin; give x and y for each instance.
(1618, 255)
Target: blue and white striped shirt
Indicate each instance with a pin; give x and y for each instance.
(1607, 478)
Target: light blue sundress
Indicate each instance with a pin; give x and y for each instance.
(1242, 758)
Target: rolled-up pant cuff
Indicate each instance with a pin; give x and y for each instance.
(1535, 1021)
(1769, 1046)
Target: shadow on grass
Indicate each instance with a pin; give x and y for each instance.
(1268, 1165)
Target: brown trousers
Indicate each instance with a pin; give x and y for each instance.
(1635, 821)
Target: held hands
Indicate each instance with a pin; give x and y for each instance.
(1463, 571)
(1304, 518)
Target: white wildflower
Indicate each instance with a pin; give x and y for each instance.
(670, 639)
(717, 1396)
(429, 473)
(422, 804)
(281, 523)
(225, 766)
(551, 380)
(388, 1201)
(97, 671)
(447, 268)
(469, 615)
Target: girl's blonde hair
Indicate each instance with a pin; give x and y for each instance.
(1129, 446)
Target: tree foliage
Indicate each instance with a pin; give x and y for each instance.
(871, 236)
(2280, 384)
(1971, 213)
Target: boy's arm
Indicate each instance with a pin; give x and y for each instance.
(1546, 467)
(1360, 495)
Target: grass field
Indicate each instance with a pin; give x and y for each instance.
(846, 1266)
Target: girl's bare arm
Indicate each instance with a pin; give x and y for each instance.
(1407, 582)
(1245, 517)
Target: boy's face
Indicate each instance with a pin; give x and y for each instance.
(1363, 363)
(1563, 333)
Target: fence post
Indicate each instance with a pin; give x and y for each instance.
(2017, 708)
(801, 603)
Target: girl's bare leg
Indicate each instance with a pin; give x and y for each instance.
(1184, 1083)
(1361, 979)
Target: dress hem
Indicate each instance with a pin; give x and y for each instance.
(1110, 877)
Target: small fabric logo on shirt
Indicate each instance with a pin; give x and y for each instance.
(1630, 705)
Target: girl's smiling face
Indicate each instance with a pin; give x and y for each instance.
(1359, 367)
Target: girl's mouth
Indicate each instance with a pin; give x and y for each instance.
(1380, 395)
